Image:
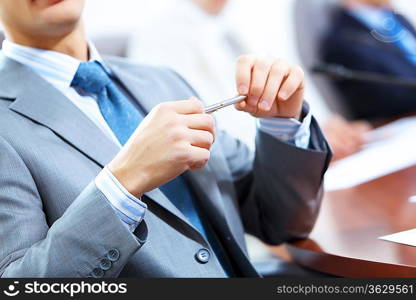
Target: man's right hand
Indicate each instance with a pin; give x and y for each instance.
(173, 138)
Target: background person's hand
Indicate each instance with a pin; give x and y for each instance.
(274, 87)
(345, 138)
(173, 138)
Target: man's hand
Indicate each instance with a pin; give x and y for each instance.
(345, 138)
(274, 88)
(173, 138)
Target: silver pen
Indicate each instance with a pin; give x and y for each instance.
(213, 108)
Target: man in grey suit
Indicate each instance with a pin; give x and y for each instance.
(101, 177)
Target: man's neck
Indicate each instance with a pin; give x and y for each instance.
(73, 44)
(352, 4)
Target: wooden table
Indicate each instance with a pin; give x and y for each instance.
(345, 241)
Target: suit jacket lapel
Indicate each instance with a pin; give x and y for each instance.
(206, 188)
(37, 100)
(142, 90)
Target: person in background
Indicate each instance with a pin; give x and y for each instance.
(367, 35)
(113, 169)
(197, 31)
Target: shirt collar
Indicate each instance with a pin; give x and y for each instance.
(57, 68)
(371, 16)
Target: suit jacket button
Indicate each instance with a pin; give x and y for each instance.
(97, 273)
(105, 264)
(203, 256)
(113, 255)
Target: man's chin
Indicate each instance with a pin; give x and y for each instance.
(59, 28)
(57, 8)
(60, 18)
(45, 3)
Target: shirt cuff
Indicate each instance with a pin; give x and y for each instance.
(130, 209)
(288, 130)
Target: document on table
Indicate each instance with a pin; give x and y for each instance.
(405, 238)
(389, 149)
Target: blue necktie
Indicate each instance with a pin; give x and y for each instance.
(123, 118)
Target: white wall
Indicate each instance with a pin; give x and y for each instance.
(122, 15)
(407, 7)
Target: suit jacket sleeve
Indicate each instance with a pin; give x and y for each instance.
(279, 188)
(73, 246)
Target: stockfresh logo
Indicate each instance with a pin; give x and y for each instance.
(12, 290)
(62, 288)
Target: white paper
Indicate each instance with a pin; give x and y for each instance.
(405, 238)
(389, 149)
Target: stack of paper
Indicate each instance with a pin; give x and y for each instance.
(389, 149)
(405, 238)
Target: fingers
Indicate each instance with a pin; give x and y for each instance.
(362, 126)
(201, 138)
(278, 72)
(260, 74)
(269, 81)
(243, 106)
(343, 137)
(200, 122)
(200, 157)
(190, 106)
(245, 65)
(292, 84)
(342, 146)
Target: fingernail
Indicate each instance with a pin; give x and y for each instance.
(283, 95)
(243, 89)
(264, 105)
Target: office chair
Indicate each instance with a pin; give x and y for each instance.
(312, 20)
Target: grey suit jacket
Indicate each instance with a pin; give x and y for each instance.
(54, 222)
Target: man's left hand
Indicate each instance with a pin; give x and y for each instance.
(274, 87)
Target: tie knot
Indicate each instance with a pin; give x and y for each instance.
(91, 78)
